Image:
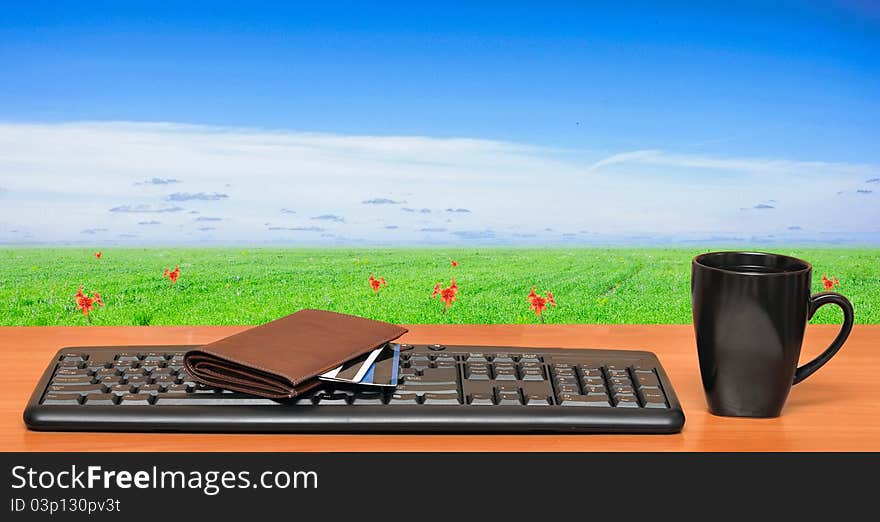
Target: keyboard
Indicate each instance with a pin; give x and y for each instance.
(449, 389)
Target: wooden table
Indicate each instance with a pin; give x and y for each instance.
(837, 409)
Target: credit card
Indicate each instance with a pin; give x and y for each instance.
(383, 372)
(354, 370)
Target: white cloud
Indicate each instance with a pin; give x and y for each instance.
(754, 166)
(83, 170)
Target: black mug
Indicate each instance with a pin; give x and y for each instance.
(750, 311)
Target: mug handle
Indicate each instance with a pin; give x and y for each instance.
(817, 301)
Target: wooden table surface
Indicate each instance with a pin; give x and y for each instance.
(836, 409)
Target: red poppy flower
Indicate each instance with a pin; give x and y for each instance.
(172, 275)
(454, 263)
(376, 283)
(447, 295)
(829, 284)
(86, 303)
(539, 304)
(98, 255)
(532, 295)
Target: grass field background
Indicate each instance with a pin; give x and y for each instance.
(251, 286)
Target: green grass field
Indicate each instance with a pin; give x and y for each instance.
(250, 286)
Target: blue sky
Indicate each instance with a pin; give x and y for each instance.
(542, 122)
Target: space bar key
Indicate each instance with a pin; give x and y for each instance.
(212, 400)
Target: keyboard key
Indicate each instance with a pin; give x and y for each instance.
(198, 387)
(136, 399)
(507, 397)
(626, 401)
(82, 389)
(72, 364)
(419, 380)
(103, 372)
(533, 375)
(121, 389)
(403, 398)
(95, 365)
(73, 372)
(103, 399)
(62, 399)
(652, 398)
(428, 388)
(568, 388)
(622, 390)
(127, 357)
(177, 388)
(440, 398)
(440, 375)
(74, 356)
(535, 399)
(332, 399)
(566, 380)
(583, 400)
(234, 399)
(530, 359)
(505, 374)
(646, 379)
(503, 359)
(79, 379)
(476, 358)
(484, 399)
(367, 398)
(152, 389)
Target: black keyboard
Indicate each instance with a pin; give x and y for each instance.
(442, 389)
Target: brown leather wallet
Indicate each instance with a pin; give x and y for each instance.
(283, 358)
